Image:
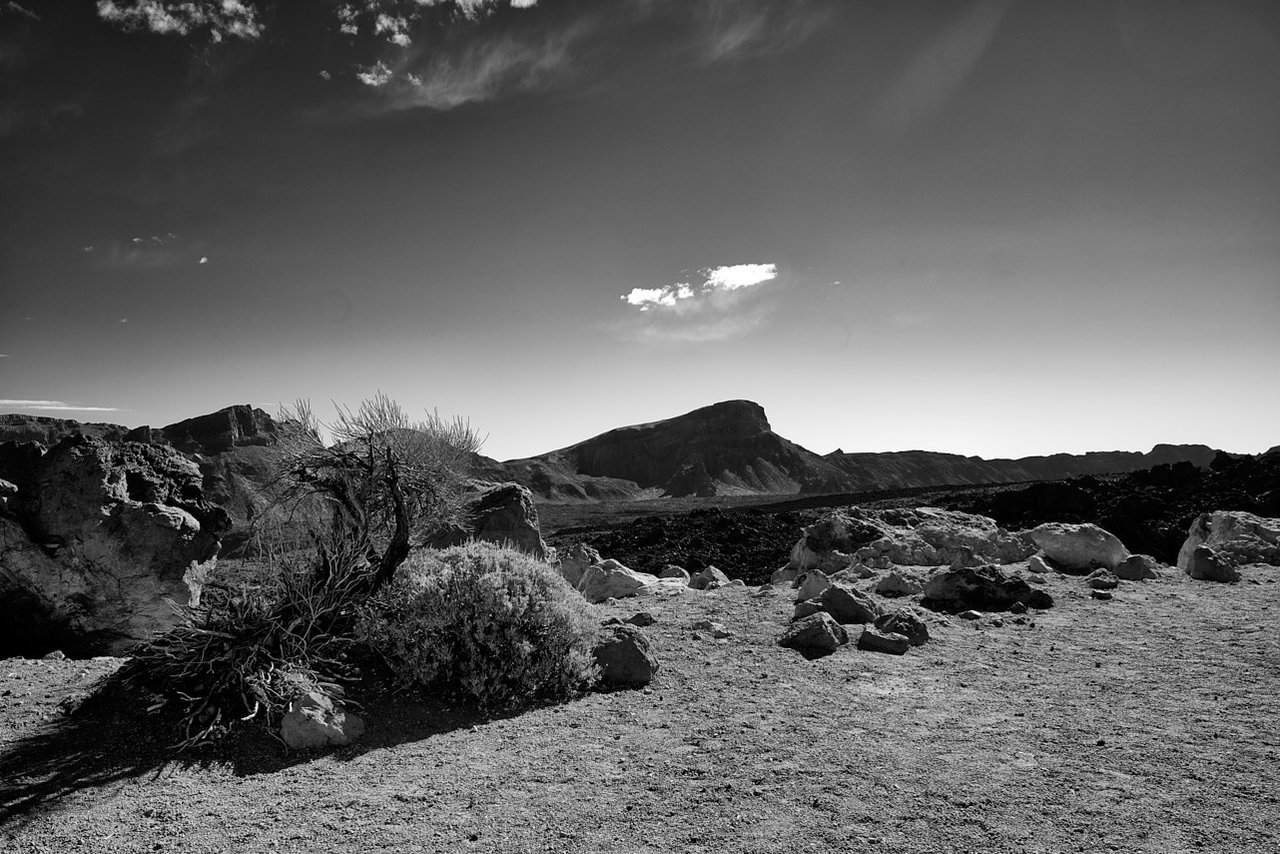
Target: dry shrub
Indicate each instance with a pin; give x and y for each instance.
(253, 645)
(501, 626)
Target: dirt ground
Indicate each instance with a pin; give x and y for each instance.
(1147, 723)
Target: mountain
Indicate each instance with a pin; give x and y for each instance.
(930, 468)
(724, 449)
(729, 448)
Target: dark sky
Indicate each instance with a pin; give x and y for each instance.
(995, 228)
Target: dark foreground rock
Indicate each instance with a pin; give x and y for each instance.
(815, 635)
(980, 588)
(625, 657)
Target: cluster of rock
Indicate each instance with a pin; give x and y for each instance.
(600, 579)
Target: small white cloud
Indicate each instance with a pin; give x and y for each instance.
(324, 75)
(56, 405)
(721, 306)
(204, 259)
(374, 75)
(741, 276)
(123, 320)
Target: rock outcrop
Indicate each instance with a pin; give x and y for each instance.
(100, 535)
(1239, 537)
(1206, 564)
(924, 536)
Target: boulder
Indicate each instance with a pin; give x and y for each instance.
(625, 658)
(816, 635)
(673, 571)
(1241, 538)
(906, 623)
(1079, 548)
(897, 584)
(811, 584)
(1138, 568)
(708, 578)
(1206, 564)
(1037, 566)
(609, 579)
(805, 607)
(981, 588)
(120, 527)
(829, 544)
(505, 514)
(575, 561)
(848, 604)
(875, 640)
(315, 721)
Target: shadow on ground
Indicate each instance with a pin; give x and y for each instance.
(110, 740)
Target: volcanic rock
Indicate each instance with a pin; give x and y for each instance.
(816, 635)
(1240, 537)
(1102, 579)
(315, 721)
(708, 578)
(611, 580)
(897, 584)
(906, 623)
(1079, 548)
(875, 640)
(1138, 568)
(505, 514)
(848, 604)
(625, 657)
(923, 536)
(805, 607)
(673, 571)
(121, 527)
(575, 562)
(981, 588)
(1208, 565)
(811, 584)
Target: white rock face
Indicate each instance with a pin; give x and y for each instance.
(609, 579)
(1235, 535)
(574, 563)
(1079, 548)
(924, 536)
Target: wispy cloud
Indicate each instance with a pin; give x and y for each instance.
(941, 66)
(727, 302)
(19, 9)
(733, 28)
(53, 406)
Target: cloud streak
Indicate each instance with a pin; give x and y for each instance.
(53, 406)
(220, 18)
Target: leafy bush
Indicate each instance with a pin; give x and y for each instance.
(493, 622)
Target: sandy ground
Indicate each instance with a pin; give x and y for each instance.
(1147, 723)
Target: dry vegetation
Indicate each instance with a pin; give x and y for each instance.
(1147, 723)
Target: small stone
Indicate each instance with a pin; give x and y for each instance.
(874, 640)
(970, 615)
(807, 607)
(56, 655)
(1018, 608)
(1103, 595)
(643, 618)
(708, 578)
(717, 630)
(1102, 579)
(625, 658)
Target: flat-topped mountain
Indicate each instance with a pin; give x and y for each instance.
(727, 448)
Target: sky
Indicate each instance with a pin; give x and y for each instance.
(992, 227)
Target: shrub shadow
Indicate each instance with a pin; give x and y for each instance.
(109, 739)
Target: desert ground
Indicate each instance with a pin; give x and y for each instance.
(1143, 723)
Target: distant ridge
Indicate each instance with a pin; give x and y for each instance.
(727, 448)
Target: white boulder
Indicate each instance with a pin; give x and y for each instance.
(1079, 548)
